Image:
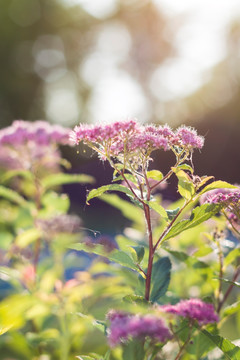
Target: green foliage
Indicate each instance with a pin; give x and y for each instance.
(117, 256)
(54, 180)
(101, 190)
(231, 351)
(199, 215)
(161, 272)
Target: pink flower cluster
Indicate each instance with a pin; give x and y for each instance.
(130, 137)
(228, 199)
(25, 143)
(39, 132)
(124, 326)
(224, 198)
(194, 309)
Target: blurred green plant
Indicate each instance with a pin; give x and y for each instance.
(189, 250)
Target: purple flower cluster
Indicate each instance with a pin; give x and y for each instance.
(124, 326)
(25, 144)
(194, 309)
(128, 137)
(39, 132)
(224, 198)
(229, 199)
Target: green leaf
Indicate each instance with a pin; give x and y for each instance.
(27, 237)
(190, 261)
(231, 309)
(160, 278)
(13, 173)
(86, 357)
(133, 350)
(12, 196)
(185, 186)
(235, 283)
(185, 167)
(118, 256)
(217, 185)
(112, 187)
(61, 179)
(231, 351)
(199, 215)
(158, 208)
(100, 325)
(155, 175)
(135, 299)
(172, 213)
(55, 203)
(137, 253)
(232, 257)
(200, 346)
(129, 177)
(128, 210)
(107, 355)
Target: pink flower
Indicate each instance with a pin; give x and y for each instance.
(124, 326)
(194, 309)
(187, 136)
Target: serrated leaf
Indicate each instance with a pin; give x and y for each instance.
(62, 179)
(231, 351)
(12, 196)
(217, 185)
(112, 187)
(199, 215)
(185, 186)
(155, 175)
(160, 278)
(158, 208)
(118, 256)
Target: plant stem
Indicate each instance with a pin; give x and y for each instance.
(184, 345)
(161, 238)
(221, 303)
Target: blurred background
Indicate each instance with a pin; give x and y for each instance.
(162, 61)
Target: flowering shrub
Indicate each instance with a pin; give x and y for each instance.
(161, 290)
